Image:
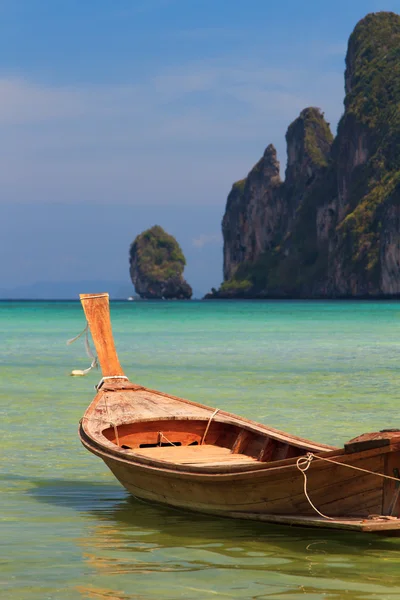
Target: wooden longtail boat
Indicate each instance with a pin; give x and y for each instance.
(187, 455)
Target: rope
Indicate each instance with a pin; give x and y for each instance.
(99, 420)
(80, 372)
(72, 340)
(208, 426)
(91, 296)
(115, 432)
(303, 464)
(162, 436)
(335, 462)
(94, 363)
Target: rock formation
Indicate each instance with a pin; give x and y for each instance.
(332, 228)
(156, 266)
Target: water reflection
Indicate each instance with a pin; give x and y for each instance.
(137, 550)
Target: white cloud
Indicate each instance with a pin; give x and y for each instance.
(182, 135)
(206, 239)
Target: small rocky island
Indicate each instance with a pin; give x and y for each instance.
(156, 266)
(331, 229)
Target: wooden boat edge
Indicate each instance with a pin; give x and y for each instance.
(232, 418)
(274, 467)
(374, 525)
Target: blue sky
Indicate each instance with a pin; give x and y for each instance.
(150, 103)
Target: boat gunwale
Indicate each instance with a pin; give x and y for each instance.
(278, 467)
(227, 417)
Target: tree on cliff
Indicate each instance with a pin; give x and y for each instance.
(332, 228)
(156, 266)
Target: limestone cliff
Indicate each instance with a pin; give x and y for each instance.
(156, 266)
(332, 228)
(254, 213)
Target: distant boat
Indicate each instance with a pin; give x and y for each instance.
(131, 298)
(187, 455)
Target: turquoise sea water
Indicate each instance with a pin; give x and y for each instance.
(327, 371)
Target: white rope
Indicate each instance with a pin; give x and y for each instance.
(94, 363)
(91, 296)
(160, 433)
(87, 345)
(335, 462)
(72, 340)
(80, 372)
(303, 464)
(208, 426)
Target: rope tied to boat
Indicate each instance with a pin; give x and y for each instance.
(303, 463)
(94, 363)
(164, 437)
(208, 426)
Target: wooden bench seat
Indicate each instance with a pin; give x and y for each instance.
(195, 455)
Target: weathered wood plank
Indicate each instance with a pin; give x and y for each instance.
(204, 454)
(376, 439)
(367, 525)
(268, 450)
(241, 441)
(391, 489)
(281, 451)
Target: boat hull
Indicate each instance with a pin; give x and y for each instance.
(338, 491)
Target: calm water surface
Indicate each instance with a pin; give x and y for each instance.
(326, 371)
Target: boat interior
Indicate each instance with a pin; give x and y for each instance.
(200, 441)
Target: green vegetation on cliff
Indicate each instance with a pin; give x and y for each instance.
(373, 74)
(341, 234)
(309, 141)
(239, 185)
(315, 132)
(158, 255)
(156, 266)
(373, 108)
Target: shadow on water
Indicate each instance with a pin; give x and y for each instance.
(127, 536)
(109, 502)
(77, 494)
